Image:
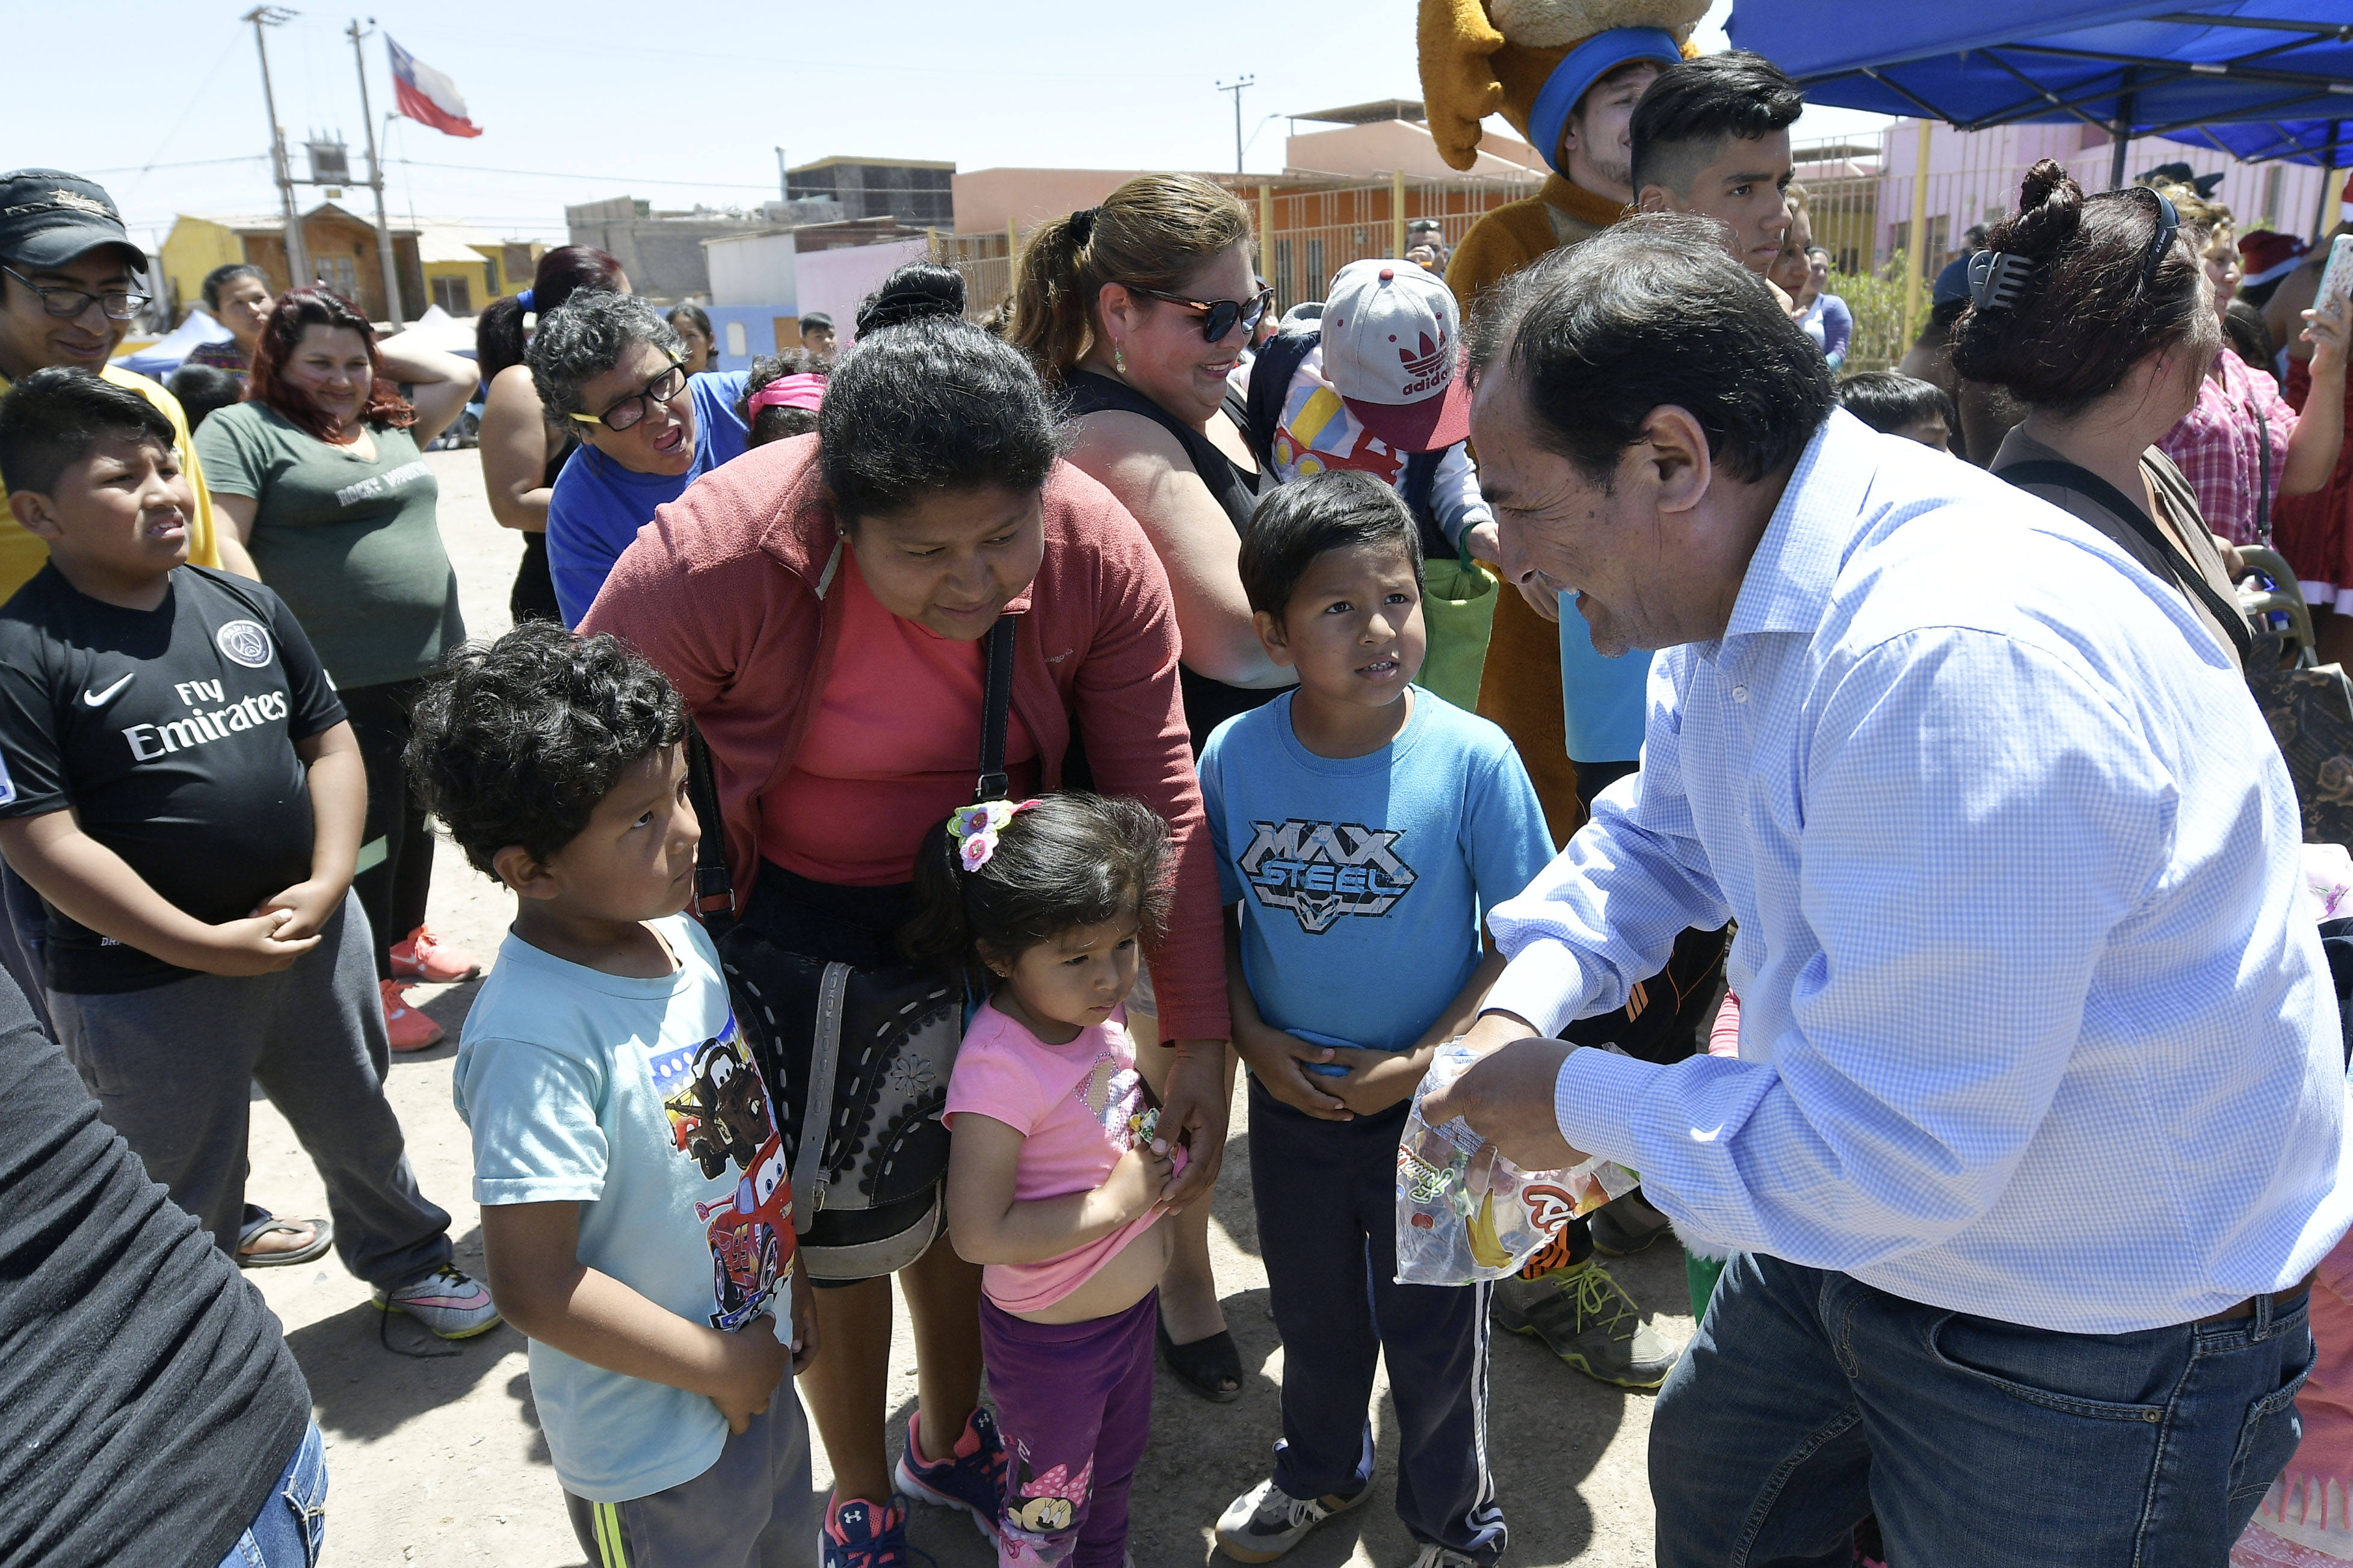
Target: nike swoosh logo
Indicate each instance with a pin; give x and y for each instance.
(100, 698)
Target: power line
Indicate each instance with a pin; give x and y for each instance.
(191, 164)
(566, 175)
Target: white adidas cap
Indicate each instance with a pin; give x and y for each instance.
(1391, 341)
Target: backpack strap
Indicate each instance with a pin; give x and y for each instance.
(2073, 477)
(1420, 488)
(1270, 384)
(715, 888)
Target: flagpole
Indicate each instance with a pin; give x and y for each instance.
(298, 253)
(376, 178)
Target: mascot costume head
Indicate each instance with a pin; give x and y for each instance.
(1531, 61)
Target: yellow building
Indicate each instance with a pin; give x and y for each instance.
(439, 262)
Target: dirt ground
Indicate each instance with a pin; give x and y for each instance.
(441, 1460)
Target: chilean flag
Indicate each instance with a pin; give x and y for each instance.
(426, 96)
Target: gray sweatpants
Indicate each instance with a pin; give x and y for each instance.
(752, 1508)
(171, 1067)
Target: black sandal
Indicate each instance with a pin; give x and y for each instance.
(1205, 1364)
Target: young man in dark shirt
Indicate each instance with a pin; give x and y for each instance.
(186, 797)
(154, 1414)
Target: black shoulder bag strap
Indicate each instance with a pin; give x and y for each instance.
(2073, 477)
(1420, 499)
(715, 888)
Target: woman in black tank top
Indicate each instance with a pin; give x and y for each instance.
(1119, 304)
(1138, 311)
(521, 450)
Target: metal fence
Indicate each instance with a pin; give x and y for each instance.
(1862, 200)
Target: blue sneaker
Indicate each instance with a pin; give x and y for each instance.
(972, 1479)
(862, 1534)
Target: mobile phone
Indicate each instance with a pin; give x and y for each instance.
(2335, 283)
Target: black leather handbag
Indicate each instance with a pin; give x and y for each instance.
(857, 1059)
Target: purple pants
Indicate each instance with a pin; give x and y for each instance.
(1074, 1405)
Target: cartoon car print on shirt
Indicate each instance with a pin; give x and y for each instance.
(719, 1116)
(1323, 871)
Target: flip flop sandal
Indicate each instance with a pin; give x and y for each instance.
(322, 1236)
(1205, 1364)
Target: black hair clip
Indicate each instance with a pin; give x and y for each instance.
(1997, 278)
(1083, 225)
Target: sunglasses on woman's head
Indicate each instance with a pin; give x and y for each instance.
(1218, 317)
(2169, 224)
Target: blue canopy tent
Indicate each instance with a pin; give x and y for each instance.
(2257, 79)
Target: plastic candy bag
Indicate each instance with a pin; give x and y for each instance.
(1448, 1234)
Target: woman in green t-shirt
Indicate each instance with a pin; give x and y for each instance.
(321, 475)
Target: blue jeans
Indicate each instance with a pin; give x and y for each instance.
(293, 1523)
(1808, 1400)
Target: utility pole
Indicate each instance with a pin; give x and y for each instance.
(784, 185)
(376, 178)
(298, 253)
(1235, 88)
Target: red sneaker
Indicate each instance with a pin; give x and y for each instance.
(410, 1029)
(422, 955)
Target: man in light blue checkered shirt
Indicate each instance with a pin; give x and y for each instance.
(2038, 1122)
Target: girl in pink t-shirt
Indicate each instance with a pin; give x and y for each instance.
(1055, 1178)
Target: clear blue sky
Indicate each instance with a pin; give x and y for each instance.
(597, 100)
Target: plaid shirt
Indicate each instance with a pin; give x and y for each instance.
(2215, 445)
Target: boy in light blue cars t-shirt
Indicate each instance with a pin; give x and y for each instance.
(636, 1205)
(1361, 826)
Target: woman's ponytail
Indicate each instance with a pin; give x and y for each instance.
(1050, 320)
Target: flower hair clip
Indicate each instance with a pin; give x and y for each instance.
(973, 829)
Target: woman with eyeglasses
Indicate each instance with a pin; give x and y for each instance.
(2241, 445)
(522, 448)
(321, 475)
(611, 369)
(1139, 309)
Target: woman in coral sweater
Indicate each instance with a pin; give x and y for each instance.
(821, 603)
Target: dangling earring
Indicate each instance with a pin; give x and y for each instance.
(1119, 359)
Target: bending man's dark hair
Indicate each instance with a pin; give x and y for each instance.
(1694, 106)
(931, 403)
(1069, 860)
(55, 415)
(515, 741)
(1299, 521)
(1648, 312)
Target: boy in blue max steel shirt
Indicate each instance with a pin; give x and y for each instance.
(1361, 826)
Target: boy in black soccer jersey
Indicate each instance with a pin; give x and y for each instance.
(184, 793)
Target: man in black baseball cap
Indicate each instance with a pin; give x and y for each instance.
(70, 284)
(817, 334)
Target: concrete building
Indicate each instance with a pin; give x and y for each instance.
(661, 251)
(918, 193)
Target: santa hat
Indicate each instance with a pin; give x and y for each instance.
(2267, 255)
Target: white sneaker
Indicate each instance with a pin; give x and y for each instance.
(1266, 1522)
(1433, 1555)
(445, 1302)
